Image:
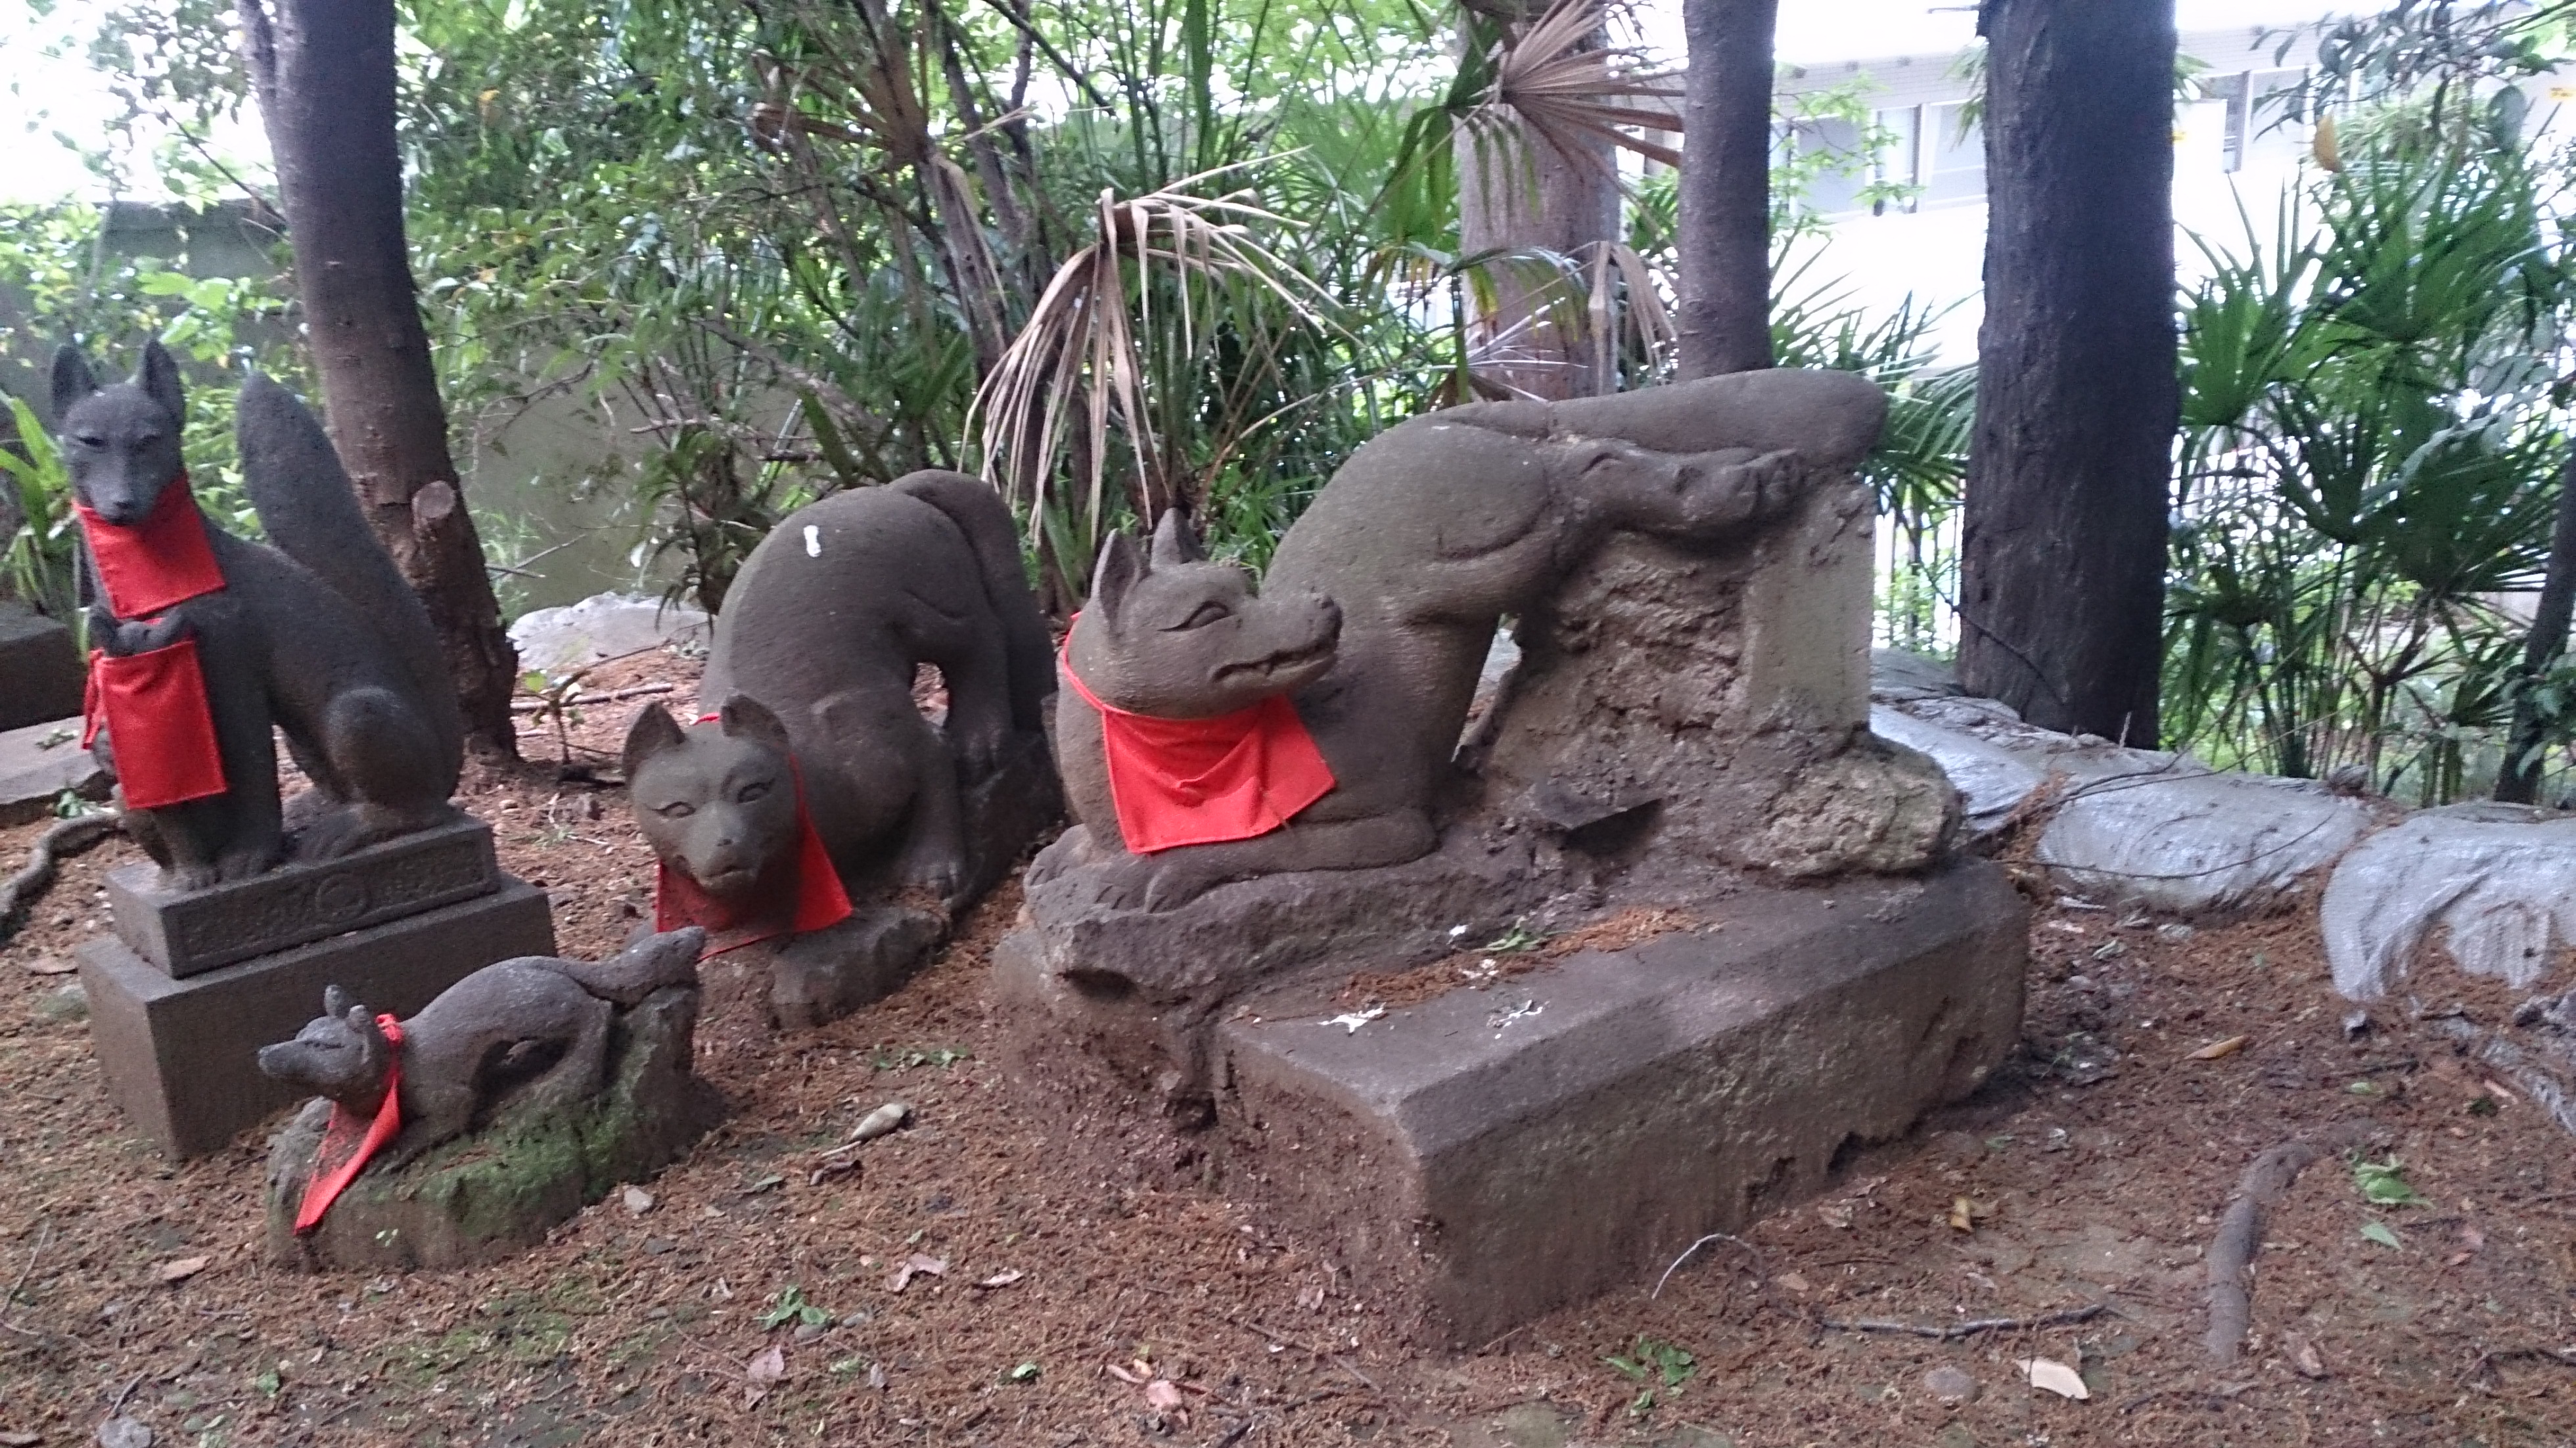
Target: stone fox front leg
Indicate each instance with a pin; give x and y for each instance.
(1173, 878)
(1688, 495)
(237, 834)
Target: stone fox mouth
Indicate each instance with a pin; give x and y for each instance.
(1277, 663)
(731, 880)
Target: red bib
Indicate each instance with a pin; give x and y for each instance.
(1181, 782)
(154, 704)
(164, 559)
(821, 903)
(348, 1144)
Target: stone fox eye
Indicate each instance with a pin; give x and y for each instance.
(1205, 614)
(753, 791)
(676, 810)
(90, 439)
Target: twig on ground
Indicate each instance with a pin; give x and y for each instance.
(1231, 1436)
(2488, 1358)
(44, 1232)
(1750, 1249)
(2240, 1231)
(1972, 1327)
(1309, 1349)
(539, 706)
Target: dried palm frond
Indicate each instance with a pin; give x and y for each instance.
(1080, 348)
(1557, 84)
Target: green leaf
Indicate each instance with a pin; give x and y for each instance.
(2379, 1232)
(2383, 1183)
(1024, 1373)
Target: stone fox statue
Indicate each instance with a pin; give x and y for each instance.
(457, 1056)
(315, 632)
(1383, 598)
(824, 629)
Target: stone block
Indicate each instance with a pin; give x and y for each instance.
(497, 1191)
(179, 1055)
(41, 671)
(41, 761)
(1498, 1153)
(186, 932)
(603, 627)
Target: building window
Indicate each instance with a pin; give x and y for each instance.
(1954, 155)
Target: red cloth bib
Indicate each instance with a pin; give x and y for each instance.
(820, 901)
(155, 711)
(348, 1145)
(1205, 781)
(164, 559)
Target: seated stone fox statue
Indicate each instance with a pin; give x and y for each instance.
(807, 701)
(1378, 610)
(206, 641)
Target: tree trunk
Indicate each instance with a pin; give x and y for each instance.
(1519, 191)
(2518, 782)
(324, 71)
(2063, 559)
(1725, 242)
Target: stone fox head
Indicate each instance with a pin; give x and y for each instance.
(717, 800)
(1169, 634)
(120, 442)
(341, 1054)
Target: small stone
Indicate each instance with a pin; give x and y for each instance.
(66, 1004)
(50, 965)
(657, 1246)
(124, 1432)
(637, 1200)
(809, 1331)
(1950, 1385)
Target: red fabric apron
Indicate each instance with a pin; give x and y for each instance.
(348, 1145)
(1181, 782)
(154, 705)
(820, 901)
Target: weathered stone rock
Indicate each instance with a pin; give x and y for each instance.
(492, 1194)
(1992, 781)
(605, 626)
(1896, 676)
(39, 764)
(1499, 1153)
(180, 1056)
(2186, 841)
(186, 932)
(41, 671)
(2497, 882)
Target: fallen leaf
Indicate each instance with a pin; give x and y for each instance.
(1161, 1396)
(2217, 1049)
(877, 1376)
(2472, 1238)
(50, 965)
(2304, 1356)
(1003, 1278)
(881, 1121)
(637, 1200)
(1835, 1214)
(1792, 1281)
(767, 1366)
(2379, 1232)
(2498, 1092)
(914, 1266)
(123, 1432)
(1963, 1214)
(13, 1439)
(173, 1273)
(2054, 1376)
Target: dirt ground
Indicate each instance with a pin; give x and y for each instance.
(2090, 1174)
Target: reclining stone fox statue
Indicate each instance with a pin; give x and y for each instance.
(1381, 603)
(207, 641)
(812, 777)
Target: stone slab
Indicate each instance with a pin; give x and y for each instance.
(2496, 885)
(1499, 1153)
(41, 761)
(41, 672)
(180, 1055)
(605, 626)
(187, 932)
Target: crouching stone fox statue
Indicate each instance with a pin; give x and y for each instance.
(812, 778)
(207, 641)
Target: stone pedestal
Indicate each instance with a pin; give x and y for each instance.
(179, 1054)
(39, 764)
(497, 1191)
(184, 933)
(1491, 1154)
(41, 672)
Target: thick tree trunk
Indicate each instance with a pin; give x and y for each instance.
(1725, 312)
(324, 70)
(1519, 191)
(2518, 782)
(2063, 563)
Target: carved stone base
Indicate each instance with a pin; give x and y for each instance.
(185, 932)
(179, 1055)
(1494, 1153)
(496, 1192)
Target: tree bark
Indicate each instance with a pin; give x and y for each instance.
(1519, 191)
(324, 72)
(2063, 551)
(1725, 242)
(2518, 781)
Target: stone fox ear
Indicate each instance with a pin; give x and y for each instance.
(1175, 541)
(72, 379)
(744, 717)
(653, 731)
(337, 1002)
(159, 379)
(1119, 570)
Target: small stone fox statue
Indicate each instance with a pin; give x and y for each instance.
(459, 1054)
(315, 633)
(1382, 600)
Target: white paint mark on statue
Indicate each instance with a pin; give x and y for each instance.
(813, 541)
